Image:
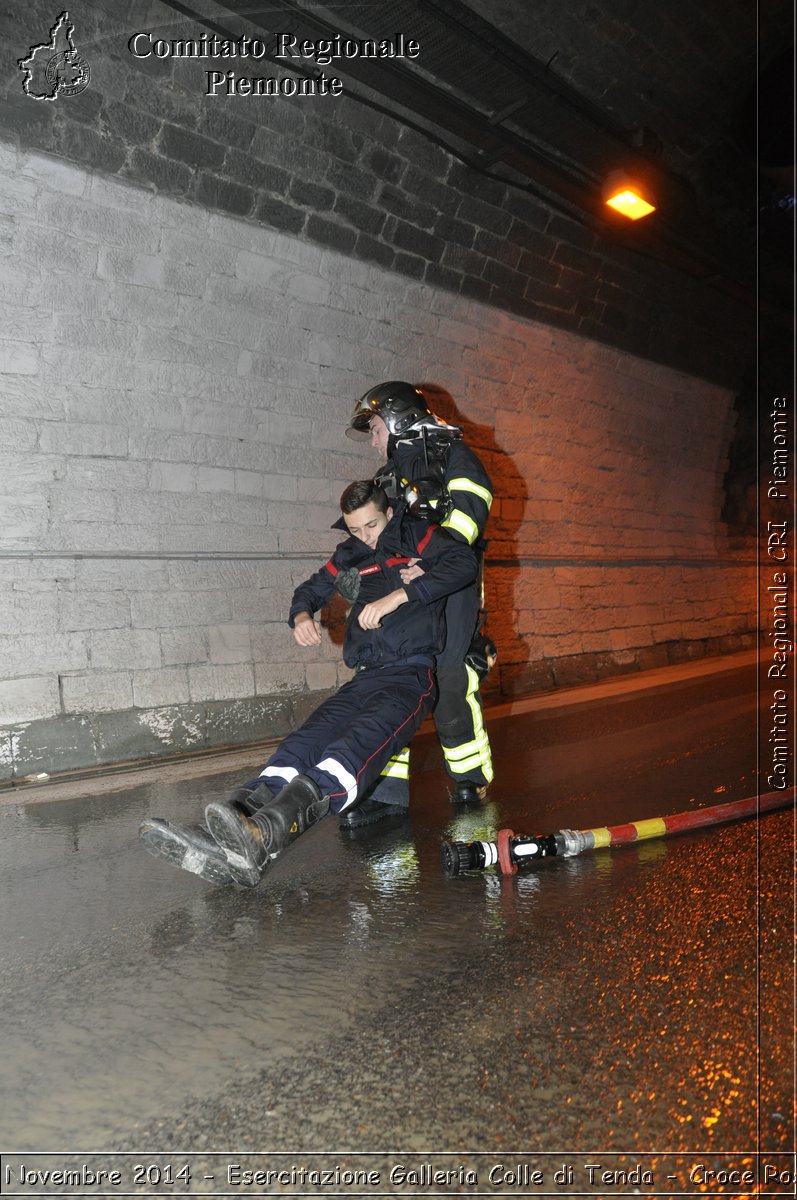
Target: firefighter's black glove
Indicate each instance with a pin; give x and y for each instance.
(348, 584)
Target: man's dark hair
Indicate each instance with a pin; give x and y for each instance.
(360, 493)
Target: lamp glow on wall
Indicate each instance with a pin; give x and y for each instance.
(628, 195)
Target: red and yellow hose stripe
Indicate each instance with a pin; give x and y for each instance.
(717, 814)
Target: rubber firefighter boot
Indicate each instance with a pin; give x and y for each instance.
(250, 842)
(292, 812)
(251, 796)
(468, 793)
(189, 847)
(368, 812)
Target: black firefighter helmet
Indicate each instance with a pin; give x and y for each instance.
(399, 404)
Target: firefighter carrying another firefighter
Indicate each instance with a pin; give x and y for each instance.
(429, 466)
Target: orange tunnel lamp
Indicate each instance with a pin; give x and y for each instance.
(627, 195)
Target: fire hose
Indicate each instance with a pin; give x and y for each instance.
(513, 852)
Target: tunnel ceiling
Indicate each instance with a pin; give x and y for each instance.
(553, 96)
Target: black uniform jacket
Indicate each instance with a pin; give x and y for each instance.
(462, 476)
(415, 629)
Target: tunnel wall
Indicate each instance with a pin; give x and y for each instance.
(343, 173)
(175, 387)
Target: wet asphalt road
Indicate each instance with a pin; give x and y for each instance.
(632, 1004)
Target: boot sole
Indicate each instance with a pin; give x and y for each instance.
(231, 839)
(371, 818)
(162, 841)
(468, 801)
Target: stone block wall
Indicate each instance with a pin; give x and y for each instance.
(339, 173)
(175, 385)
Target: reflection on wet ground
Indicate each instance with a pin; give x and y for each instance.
(636, 999)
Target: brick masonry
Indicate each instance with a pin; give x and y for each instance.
(175, 385)
(338, 174)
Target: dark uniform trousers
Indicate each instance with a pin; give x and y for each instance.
(458, 714)
(348, 743)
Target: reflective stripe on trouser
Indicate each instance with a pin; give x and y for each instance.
(460, 726)
(279, 775)
(398, 767)
(346, 744)
(392, 786)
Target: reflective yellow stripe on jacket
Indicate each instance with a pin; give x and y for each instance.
(459, 520)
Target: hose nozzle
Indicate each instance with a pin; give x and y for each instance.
(511, 852)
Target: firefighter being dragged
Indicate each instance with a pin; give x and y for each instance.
(342, 754)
